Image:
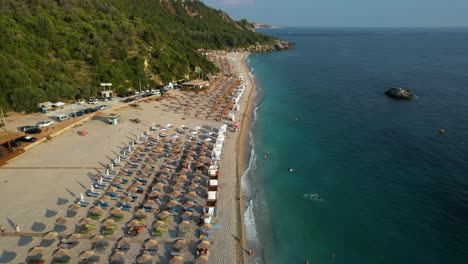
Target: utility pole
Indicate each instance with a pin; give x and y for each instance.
(4, 122)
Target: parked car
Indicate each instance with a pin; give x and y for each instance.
(102, 107)
(24, 128)
(26, 139)
(90, 110)
(13, 143)
(128, 100)
(33, 130)
(80, 102)
(76, 114)
(62, 118)
(93, 101)
(45, 123)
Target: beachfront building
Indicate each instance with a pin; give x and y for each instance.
(195, 84)
(106, 94)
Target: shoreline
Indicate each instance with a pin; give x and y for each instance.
(243, 146)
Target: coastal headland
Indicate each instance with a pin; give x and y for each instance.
(166, 164)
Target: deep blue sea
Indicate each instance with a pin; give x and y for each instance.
(392, 188)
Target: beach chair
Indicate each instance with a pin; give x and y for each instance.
(110, 227)
(190, 209)
(107, 179)
(114, 195)
(101, 243)
(61, 260)
(100, 186)
(161, 229)
(83, 203)
(90, 226)
(181, 234)
(93, 194)
(108, 232)
(86, 231)
(140, 217)
(94, 259)
(95, 216)
(156, 233)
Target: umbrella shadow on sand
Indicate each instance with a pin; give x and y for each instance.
(61, 201)
(50, 213)
(60, 228)
(23, 241)
(7, 256)
(38, 227)
(47, 243)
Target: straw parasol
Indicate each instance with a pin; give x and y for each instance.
(132, 189)
(117, 255)
(200, 164)
(183, 171)
(163, 214)
(206, 227)
(202, 259)
(140, 212)
(95, 209)
(188, 204)
(192, 194)
(158, 186)
(158, 223)
(133, 223)
(124, 241)
(187, 214)
(50, 235)
(109, 222)
(177, 260)
(154, 194)
(117, 181)
(172, 203)
(112, 189)
(74, 207)
(62, 220)
(204, 244)
(193, 186)
(35, 251)
(127, 199)
(149, 203)
(143, 258)
(97, 238)
(74, 237)
(179, 185)
(116, 210)
(86, 220)
(196, 178)
(185, 224)
(174, 194)
(86, 254)
(181, 177)
(137, 184)
(61, 252)
(151, 243)
(104, 198)
(179, 243)
(166, 170)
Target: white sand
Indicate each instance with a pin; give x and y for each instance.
(63, 168)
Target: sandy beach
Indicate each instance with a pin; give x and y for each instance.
(40, 187)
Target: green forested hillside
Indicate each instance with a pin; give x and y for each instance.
(60, 49)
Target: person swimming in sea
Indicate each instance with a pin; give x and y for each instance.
(267, 154)
(290, 169)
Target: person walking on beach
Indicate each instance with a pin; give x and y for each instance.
(2, 229)
(17, 229)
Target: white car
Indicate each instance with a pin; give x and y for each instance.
(102, 107)
(45, 123)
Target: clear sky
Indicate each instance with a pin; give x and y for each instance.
(351, 13)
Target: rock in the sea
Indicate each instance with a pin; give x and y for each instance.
(399, 93)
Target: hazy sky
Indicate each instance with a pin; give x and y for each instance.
(373, 13)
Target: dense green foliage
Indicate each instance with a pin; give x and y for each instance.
(62, 49)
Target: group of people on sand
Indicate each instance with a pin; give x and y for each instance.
(3, 230)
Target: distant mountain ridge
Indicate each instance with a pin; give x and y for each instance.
(56, 50)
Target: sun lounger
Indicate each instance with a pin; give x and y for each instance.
(66, 246)
(151, 252)
(190, 209)
(175, 253)
(111, 227)
(125, 208)
(95, 217)
(162, 229)
(100, 186)
(93, 194)
(90, 226)
(107, 179)
(185, 229)
(101, 243)
(60, 260)
(181, 234)
(86, 231)
(83, 203)
(118, 215)
(94, 259)
(107, 232)
(156, 233)
(140, 217)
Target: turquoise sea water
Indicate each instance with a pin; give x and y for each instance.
(392, 188)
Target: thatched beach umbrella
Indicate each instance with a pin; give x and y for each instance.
(86, 220)
(140, 212)
(143, 258)
(193, 186)
(62, 220)
(179, 243)
(137, 184)
(172, 203)
(158, 186)
(74, 207)
(127, 199)
(116, 210)
(132, 189)
(154, 194)
(97, 238)
(124, 241)
(196, 178)
(200, 164)
(206, 227)
(133, 223)
(35, 251)
(204, 244)
(166, 170)
(202, 259)
(151, 243)
(50, 235)
(61, 252)
(181, 178)
(118, 255)
(86, 254)
(109, 222)
(179, 185)
(74, 237)
(176, 260)
(95, 209)
(149, 203)
(188, 204)
(184, 224)
(158, 224)
(163, 214)
(175, 194)
(187, 214)
(105, 198)
(112, 189)
(117, 181)
(192, 194)
(183, 171)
